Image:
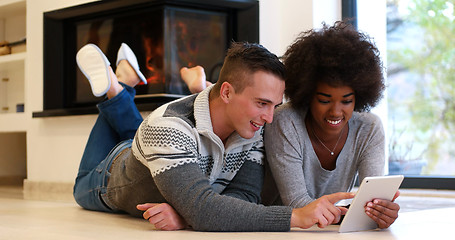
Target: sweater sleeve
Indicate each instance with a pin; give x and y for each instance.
(247, 183)
(285, 158)
(187, 189)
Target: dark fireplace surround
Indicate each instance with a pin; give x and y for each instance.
(164, 34)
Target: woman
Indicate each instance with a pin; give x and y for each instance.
(324, 136)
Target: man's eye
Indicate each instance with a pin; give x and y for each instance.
(262, 104)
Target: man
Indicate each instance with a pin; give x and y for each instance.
(202, 155)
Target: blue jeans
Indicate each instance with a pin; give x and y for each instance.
(113, 131)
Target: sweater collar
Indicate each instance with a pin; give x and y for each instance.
(202, 111)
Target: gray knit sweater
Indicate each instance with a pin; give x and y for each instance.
(215, 187)
(299, 177)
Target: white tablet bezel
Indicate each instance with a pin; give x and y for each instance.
(383, 187)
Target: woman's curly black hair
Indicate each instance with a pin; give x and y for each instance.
(339, 56)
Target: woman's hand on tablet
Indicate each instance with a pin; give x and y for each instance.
(383, 212)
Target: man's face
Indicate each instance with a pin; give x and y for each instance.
(254, 106)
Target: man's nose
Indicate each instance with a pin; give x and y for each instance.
(268, 116)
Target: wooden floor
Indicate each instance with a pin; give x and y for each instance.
(27, 219)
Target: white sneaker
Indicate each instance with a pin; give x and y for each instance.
(95, 66)
(125, 52)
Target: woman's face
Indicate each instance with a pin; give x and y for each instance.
(331, 108)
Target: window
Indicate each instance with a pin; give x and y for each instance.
(419, 56)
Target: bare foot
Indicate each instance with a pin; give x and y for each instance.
(126, 74)
(194, 78)
(116, 87)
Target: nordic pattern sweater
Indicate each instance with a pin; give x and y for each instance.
(214, 187)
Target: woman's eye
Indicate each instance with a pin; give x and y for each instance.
(323, 102)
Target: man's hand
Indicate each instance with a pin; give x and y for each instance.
(383, 212)
(321, 211)
(163, 216)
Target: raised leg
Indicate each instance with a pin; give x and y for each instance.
(115, 126)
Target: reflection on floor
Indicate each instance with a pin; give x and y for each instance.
(414, 200)
(27, 219)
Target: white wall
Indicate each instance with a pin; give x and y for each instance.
(282, 21)
(55, 144)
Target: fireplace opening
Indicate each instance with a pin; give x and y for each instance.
(165, 36)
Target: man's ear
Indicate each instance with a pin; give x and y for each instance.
(226, 92)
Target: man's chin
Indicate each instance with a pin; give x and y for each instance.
(248, 135)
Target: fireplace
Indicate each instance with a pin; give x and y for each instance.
(165, 35)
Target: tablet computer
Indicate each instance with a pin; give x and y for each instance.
(383, 187)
